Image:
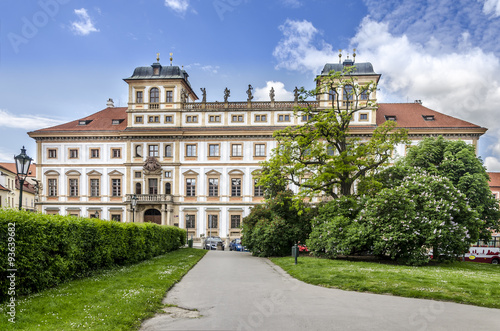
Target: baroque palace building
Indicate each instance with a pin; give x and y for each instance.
(191, 163)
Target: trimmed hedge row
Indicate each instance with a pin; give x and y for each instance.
(51, 249)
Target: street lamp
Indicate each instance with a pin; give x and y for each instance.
(96, 215)
(23, 162)
(134, 203)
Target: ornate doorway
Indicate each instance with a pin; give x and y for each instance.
(152, 216)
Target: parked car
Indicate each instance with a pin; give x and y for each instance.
(211, 243)
(235, 245)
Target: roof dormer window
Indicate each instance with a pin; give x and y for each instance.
(390, 117)
(84, 122)
(428, 117)
(116, 122)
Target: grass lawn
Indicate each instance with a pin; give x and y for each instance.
(463, 282)
(117, 299)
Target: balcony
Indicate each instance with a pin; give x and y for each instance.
(149, 198)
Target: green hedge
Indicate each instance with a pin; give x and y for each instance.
(51, 249)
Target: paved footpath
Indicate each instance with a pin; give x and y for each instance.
(236, 291)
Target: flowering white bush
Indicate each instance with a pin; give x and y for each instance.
(425, 212)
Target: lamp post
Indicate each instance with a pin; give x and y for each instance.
(96, 215)
(23, 162)
(134, 204)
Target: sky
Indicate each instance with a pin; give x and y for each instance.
(60, 60)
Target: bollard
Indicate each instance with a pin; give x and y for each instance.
(295, 252)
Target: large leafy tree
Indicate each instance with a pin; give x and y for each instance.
(324, 156)
(457, 161)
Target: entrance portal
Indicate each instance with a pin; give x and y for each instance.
(152, 216)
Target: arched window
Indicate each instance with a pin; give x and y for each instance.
(168, 150)
(168, 188)
(138, 188)
(138, 151)
(154, 95)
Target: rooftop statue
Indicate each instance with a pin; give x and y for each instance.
(249, 92)
(227, 93)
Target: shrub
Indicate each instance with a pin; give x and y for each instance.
(334, 232)
(51, 249)
(272, 229)
(425, 212)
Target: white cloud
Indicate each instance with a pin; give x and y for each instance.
(292, 3)
(27, 122)
(280, 93)
(491, 7)
(492, 164)
(178, 6)
(85, 25)
(209, 68)
(299, 50)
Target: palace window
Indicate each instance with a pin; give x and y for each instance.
(52, 187)
(332, 95)
(73, 153)
(73, 187)
(139, 98)
(190, 187)
(169, 97)
(306, 118)
(214, 118)
(154, 119)
(192, 119)
(237, 118)
(236, 187)
(190, 221)
(169, 119)
(138, 119)
(154, 95)
(153, 185)
(94, 187)
(116, 217)
(116, 153)
(236, 150)
(168, 174)
(190, 150)
(168, 150)
(138, 188)
(116, 187)
(213, 150)
(260, 150)
(153, 150)
(52, 153)
(283, 118)
(363, 117)
(260, 118)
(213, 187)
(213, 221)
(235, 221)
(258, 190)
(168, 188)
(94, 153)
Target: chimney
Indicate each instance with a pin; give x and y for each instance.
(110, 103)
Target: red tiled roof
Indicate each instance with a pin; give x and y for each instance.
(12, 168)
(410, 115)
(3, 188)
(494, 179)
(27, 187)
(100, 121)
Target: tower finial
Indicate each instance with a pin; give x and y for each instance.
(340, 56)
(354, 55)
(171, 59)
(157, 57)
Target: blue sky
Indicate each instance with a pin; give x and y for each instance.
(62, 59)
